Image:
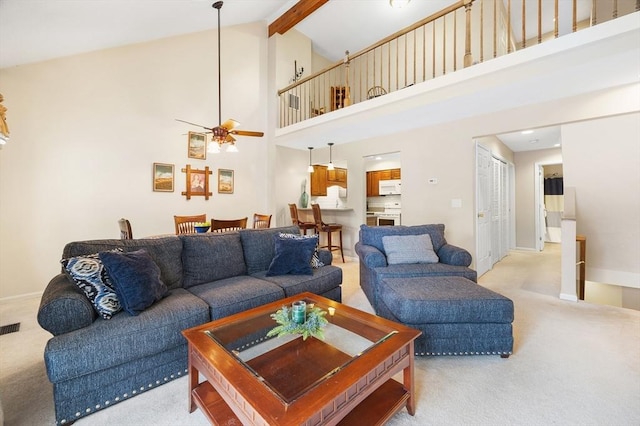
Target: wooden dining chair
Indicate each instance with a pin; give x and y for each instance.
(184, 224)
(329, 228)
(125, 229)
(293, 209)
(261, 220)
(222, 225)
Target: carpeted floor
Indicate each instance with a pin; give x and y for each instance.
(574, 364)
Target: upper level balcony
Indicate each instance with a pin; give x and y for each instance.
(398, 70)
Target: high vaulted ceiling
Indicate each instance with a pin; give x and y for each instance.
(37, 30)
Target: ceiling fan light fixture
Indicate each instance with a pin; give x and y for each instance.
(232, 147)
(214, 147)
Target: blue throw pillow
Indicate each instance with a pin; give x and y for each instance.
(89, 274)
(315, 258)
(293, 256)
(136, 279)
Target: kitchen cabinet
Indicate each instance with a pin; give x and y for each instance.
(373, 187)
(372, 221)
(319, 181)
(337, 176)
(374, 178)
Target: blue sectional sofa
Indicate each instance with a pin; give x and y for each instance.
(94, 363)
(426, 283)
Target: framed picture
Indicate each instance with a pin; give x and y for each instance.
(197, 146)
(225, 181)
(163, 177)
(197, 182)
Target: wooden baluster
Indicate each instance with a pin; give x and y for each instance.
(524, 26)
(468, 58)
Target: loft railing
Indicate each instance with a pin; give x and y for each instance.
(463, 34)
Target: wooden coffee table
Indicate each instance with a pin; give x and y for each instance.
(344, 379)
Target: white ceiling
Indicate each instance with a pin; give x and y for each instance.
(37, 30)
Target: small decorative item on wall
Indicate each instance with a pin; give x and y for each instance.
(197, 182)
(197, 146)
(163, 176)
(225, 181)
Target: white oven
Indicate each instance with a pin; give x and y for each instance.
(391, 216)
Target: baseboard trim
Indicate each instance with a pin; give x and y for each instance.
(21, 296)
(569, 297)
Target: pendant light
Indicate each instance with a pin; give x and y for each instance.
(310, 168)
(330, 167)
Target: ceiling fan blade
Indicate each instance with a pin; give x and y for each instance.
(230, 124)
(193, 124)
(230, 138)
(246, 133)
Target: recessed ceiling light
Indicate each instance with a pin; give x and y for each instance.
(527, 132)
(556, 145)
(378, 158)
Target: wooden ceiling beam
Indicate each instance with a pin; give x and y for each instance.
(297, 13)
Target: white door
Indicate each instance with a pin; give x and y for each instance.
(496, 212)
(541, 222)
(483, 210)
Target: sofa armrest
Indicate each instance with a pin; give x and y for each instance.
(452, 255)
(370, 256)
(325, 256)
(64, 307)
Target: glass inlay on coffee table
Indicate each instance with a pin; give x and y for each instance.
(292, 381)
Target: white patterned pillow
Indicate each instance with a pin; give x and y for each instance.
(90, 275)
(315, 259)
(409, 249)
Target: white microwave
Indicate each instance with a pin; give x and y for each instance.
(390, 187)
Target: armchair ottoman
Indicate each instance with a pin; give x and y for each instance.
(456, 315)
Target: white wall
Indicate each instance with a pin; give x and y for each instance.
(602, 162)
(85, 131)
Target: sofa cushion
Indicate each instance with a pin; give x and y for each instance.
(90, 275)
(323, 280)
(372, 235)
(125, 338)
(136, 279)
(402, 249)
(259, 247)
(315, 259)
(236, 294)
(424, 270)
(293, 256)
(426, 300)
(165, 252)
(211, 256)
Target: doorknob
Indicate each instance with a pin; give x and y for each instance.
(480, 214)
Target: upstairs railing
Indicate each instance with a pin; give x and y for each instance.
(463, 34)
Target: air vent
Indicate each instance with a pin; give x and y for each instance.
(11, 328)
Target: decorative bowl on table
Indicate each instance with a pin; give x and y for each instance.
(201, 227)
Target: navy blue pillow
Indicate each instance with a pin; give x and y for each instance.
(135, 278)
(293, 256)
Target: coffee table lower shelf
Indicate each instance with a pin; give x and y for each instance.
(376, 409)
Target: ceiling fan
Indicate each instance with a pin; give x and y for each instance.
(223, 132)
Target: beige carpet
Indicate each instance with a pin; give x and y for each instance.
(574, 364)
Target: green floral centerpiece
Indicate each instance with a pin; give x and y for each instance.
(312, 326)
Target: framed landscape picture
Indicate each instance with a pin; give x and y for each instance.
(163, 177)
(225, 181)
(197, 146)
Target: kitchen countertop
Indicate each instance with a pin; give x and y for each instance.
(325, 209)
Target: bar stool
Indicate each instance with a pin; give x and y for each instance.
(329, 228)
(293, 209)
